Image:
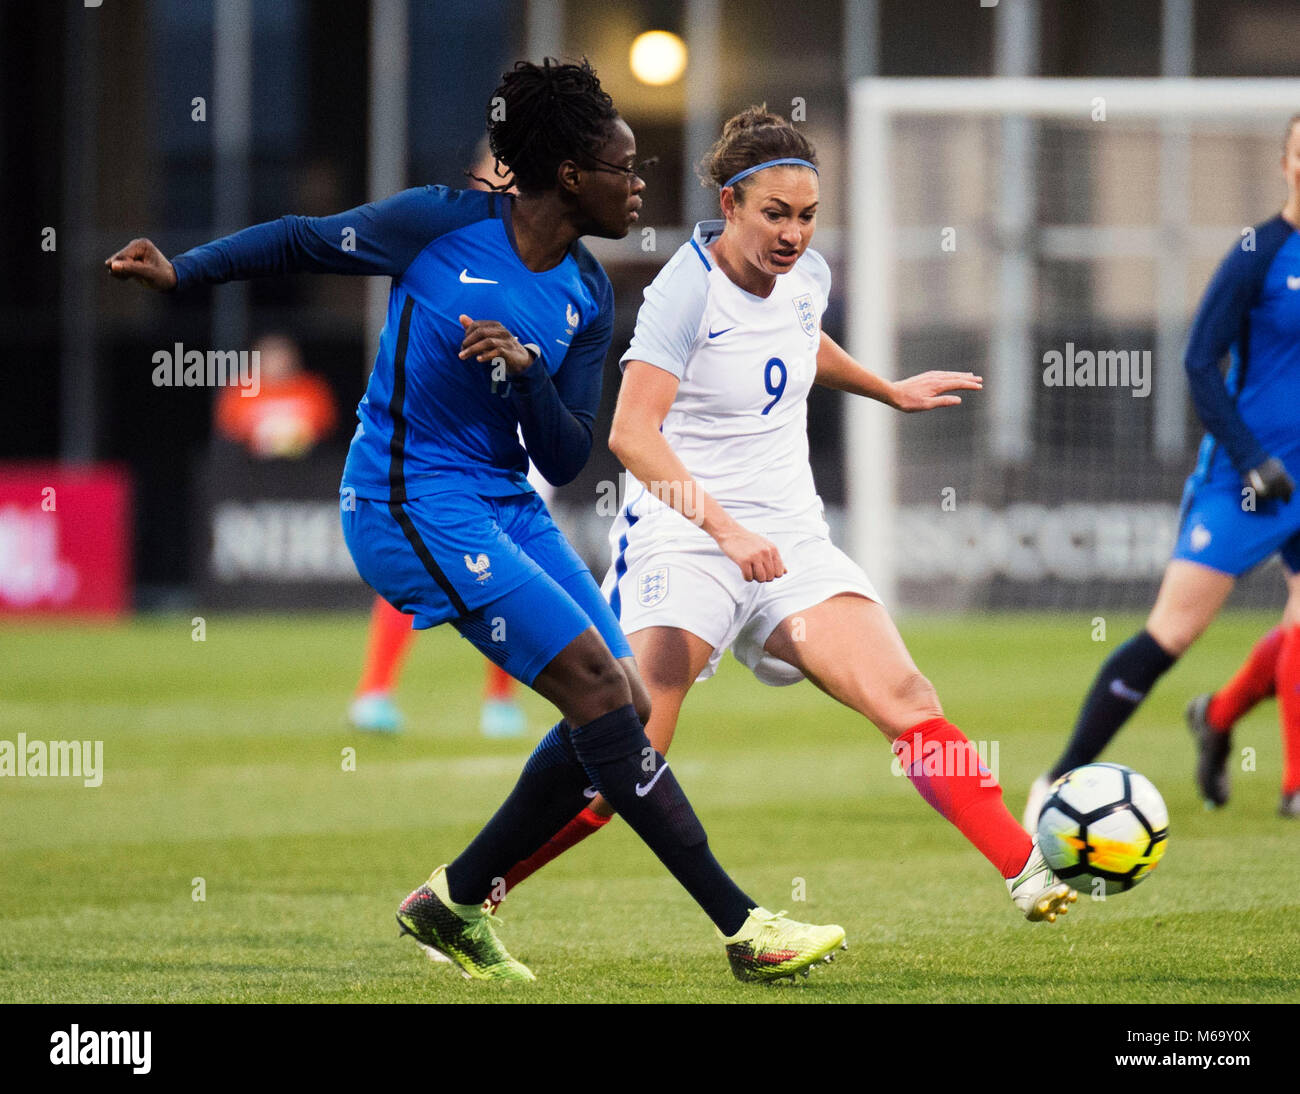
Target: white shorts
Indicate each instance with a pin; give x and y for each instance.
(689, 584)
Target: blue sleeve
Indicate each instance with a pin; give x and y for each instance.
(558, 413)
(668, 321)
(381, 237)
(1220, 321)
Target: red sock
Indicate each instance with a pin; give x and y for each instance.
(946, 770)
(390, 638)
(1253, 682)
(500, 684)
(577, 830)
(1288, 702)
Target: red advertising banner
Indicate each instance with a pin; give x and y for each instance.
(65, 540)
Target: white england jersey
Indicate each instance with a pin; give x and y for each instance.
(745, 365)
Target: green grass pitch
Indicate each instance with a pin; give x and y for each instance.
(224, 760)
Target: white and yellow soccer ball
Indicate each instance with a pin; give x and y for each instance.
(1103, 823)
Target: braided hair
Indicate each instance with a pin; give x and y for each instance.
(552, 112)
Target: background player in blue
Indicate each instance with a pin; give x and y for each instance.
(499, 320)
(1237, 508)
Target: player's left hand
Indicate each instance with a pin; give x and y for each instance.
(1270, 480)
(928, 390)
(486, 340)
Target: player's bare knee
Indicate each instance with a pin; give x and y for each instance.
(641, 701)
(604, 686)
(1291, 613)
(1174, 636)
(640, 696)
(914, 700)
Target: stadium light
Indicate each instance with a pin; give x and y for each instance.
(657, 57)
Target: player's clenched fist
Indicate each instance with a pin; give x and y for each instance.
(1270, 480)
(141, 261)
(758, 558)
(486, 340)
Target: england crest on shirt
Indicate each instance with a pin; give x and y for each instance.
(803, 308)
(652, 586)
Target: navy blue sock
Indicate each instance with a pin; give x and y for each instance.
(1121, 685)
(547, 796)
(637, 782)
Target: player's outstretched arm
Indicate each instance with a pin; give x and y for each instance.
(925, 391)
(140, 260)
(643, 403)
(381, 238)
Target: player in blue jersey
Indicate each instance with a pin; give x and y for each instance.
(499, 320)
(1237, 507)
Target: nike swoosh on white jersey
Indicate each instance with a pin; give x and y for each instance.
(642, 791)
(467, 280)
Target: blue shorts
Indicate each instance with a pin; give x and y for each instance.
(1215, 531)
(497, 568)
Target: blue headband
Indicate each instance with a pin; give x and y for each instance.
(770, 163)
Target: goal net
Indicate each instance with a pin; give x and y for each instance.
(1054, 236)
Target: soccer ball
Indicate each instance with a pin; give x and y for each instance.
(1103, 823)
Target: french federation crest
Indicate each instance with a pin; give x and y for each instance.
(479, 567)
(652, 586)
(803, 308)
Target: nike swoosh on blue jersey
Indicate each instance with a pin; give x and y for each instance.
(715, 333)
(467, 280)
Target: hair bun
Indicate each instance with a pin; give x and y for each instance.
(752, 117)
(750, 137)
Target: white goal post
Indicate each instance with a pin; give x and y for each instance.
(1169, 107)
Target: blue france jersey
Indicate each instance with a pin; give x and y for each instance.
(430, 422)
(1250, 311)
